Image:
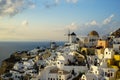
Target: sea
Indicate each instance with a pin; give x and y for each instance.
(7, 48)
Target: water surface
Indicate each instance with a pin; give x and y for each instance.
(7, 48)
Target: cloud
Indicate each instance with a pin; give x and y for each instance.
(73, 1)
(32, 5)
(92, 23)
(68, 1)
(104, 27)
(108, 20)
(49, 4)
(57, 1)
(73, 26)
(13, 7)
(25, 23)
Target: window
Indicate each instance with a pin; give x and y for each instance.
(60, 72)
(106, 52)
(111, 74)
(105, 73)
(96, 72)
(91, 69)
(108, 75)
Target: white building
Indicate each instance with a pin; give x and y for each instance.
(33, 52)
(91, 39)
(99, 73)
(89, 76)
(103, 63)
(72, 38)
(116, 44)
(74, 46)
(94, 70)
(93, 36)
(23, 66)
(57, 74)
(53, 45)
(108, 53)
(108, 73)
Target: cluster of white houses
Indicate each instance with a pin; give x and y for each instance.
(78, 59)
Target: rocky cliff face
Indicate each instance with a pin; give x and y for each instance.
(5, 67)
(8, 64)
(116, 33)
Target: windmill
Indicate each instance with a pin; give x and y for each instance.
(68, 35)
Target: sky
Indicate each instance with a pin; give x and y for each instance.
(45, 20)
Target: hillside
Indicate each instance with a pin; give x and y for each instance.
(116, 33)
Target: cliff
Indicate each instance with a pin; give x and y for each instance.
(8, 64)
(116, 33)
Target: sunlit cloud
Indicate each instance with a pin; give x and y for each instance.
(25, 23)
(13, 7)
(92, 23)
(72, 1)
(54, 3)
(73, 26)
(109, 19)
(42, 22)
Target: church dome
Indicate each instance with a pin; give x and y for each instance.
(73, 34)
(93, 33)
